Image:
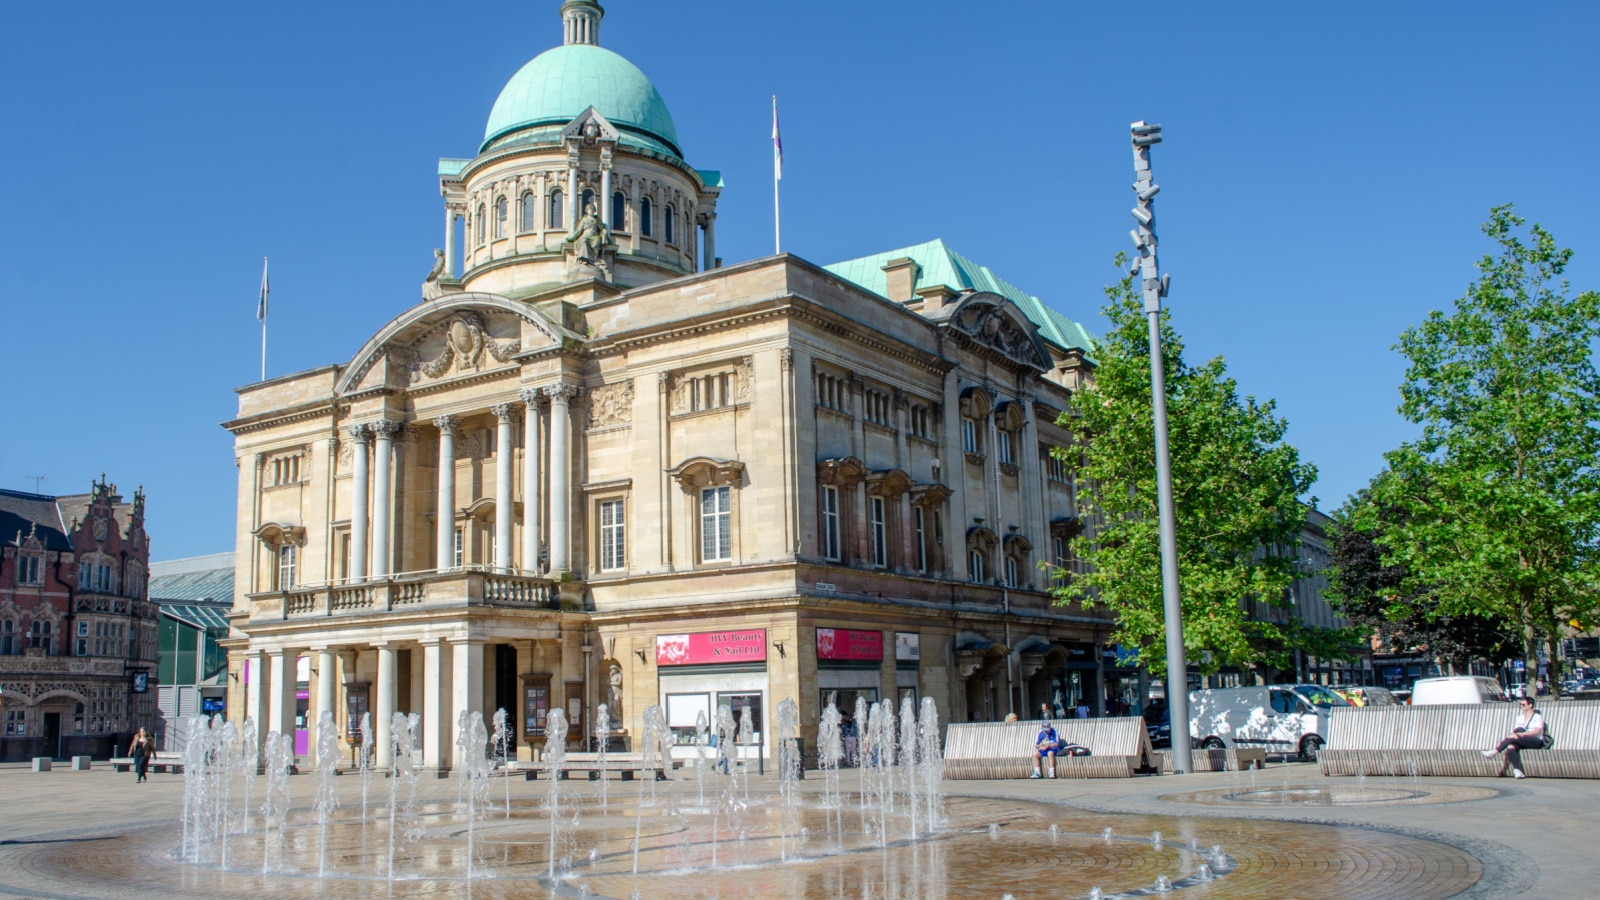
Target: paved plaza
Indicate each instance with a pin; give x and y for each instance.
(1285, 831)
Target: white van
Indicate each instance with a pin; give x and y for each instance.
(1285, 718)
(1457, 689)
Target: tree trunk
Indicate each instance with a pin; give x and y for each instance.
(1530, 640)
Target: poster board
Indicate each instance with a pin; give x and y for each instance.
(535, 704)
(574, 710)
(355, 706)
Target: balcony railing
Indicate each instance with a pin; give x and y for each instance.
(452, 588)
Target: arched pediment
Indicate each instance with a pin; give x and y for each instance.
(705, 471)
(1017, 545)
(845, 471)
(280, 533)
(888, 483)
(995, 323)
(982, 538)
(464, 332)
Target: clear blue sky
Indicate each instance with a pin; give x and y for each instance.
(1325, 172)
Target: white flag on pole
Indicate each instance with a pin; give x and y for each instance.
(266, 288)
(777, 143)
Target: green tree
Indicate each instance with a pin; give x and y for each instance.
(1381, 599)
(1500, 492)
(1236, 484)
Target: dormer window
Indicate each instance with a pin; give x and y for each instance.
(30, 568)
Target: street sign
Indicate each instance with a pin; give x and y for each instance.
(1518, 666)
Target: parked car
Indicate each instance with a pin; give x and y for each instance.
(1158, 724)
(1457, 689)
(1360, 695)
(1288, 718)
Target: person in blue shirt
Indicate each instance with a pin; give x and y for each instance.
(1045, 743)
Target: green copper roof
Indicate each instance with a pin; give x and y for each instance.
(560, 83)
(941, 265)
(452, 167)
(710, 177)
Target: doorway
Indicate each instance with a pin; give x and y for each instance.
(52, 734)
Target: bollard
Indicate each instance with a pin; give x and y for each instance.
(42, 763)
(80, 764)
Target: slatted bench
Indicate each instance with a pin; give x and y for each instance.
(1448, 740)
(1121, 748)
(624, 765)
(1237, 759)
(161, 762)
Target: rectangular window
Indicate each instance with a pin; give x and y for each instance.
(85, 573)
(716, 524)
(975, 566)
(459, 552)
(16, 722)
(830, 522)
(969, 436)
(1002, 441)
(286, 560)
(612, 540)
(880, 531)
(83, 646)
(83, 628)
(922, 539)
(28, 570)
(7, 637)
(1055, 467)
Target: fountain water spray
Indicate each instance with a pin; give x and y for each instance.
(930, 758)
(863, 738)
(654, 756)
(364, 763)
(700, 726)
(502, 751)
(275, 809)
(602, 731)
(747, 737)
(327, 795)
(908, 758)
(555, 757)
(830, 752)
(403, 826)
(248, 762)
(226, 762)
(474, 770)
(788, 772)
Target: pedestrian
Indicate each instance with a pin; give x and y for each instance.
(1044, 711)
(142, 750)
(1527, 734)
(1046, 743)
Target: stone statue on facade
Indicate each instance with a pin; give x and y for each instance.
(590, 242)
(614, 694)
(430, 285)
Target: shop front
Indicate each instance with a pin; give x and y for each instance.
(849, 671)
(701, 672)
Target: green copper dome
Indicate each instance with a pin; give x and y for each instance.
(559, 84)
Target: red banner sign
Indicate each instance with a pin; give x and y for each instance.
(711, 647)
(844, 644)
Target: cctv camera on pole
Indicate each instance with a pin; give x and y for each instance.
(1154, 286)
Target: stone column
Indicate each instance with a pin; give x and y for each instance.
(382, 495)
(572, 192)
(445, 511)
(449, 241)
(560, 476)
(384, 707)
(605, 189)
(1031, 486)
(358, 504)
(504, 504)
(435, 706)
(281, 716)
(258, 705)
(327, 684)
(530, 480)
(466, 683)
(710, 243)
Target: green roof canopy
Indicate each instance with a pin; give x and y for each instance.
(941, 265)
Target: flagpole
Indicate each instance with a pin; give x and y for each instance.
(261, 313)
(777, 176)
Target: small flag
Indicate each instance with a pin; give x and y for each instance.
(777, 143)
(266, 288)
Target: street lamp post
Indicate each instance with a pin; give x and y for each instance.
(1154, 285)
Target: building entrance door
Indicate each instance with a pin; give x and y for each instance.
(52, 734)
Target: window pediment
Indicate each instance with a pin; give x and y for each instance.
(844, 471)
(929, 495)
(981, 538)
(1066, 527)
(705, 471)
(279, 533)
(888, 483)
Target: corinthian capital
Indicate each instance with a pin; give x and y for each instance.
(562, 393)
(445, 423)
(384, 427)
(360, 434)
(505, 412)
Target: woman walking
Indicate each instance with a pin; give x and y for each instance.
(142, 750)
(1527, 734)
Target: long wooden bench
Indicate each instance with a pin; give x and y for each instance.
(624, 765)
(161, 762)
(1121, 748)
(1237, 759)
(1449, 740)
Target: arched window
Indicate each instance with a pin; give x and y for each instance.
(500, 209)
(644, 217)
(43, 636)
(975, 560)
(669, 226)
(483, 221)
(558, 210)
(619, 211)
(526, 210)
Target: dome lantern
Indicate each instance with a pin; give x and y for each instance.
(580, 21)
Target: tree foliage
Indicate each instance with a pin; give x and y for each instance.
(1500, 493)
(1236, 483)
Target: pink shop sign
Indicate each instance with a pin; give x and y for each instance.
(704, 647)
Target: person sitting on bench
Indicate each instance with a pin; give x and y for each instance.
(1528, 734)
(1045, 743)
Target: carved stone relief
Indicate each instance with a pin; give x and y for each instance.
(611, 404)
(462, 344)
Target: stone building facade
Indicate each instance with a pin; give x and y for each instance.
(77, 634)
(595, 466)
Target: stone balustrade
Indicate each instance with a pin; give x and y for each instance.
(451, 589)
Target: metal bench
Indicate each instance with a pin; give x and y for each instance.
(168, 762)
(1448, 740)
(1120, 748)
(1237, 759)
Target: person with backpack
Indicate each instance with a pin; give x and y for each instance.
(1045, 743)
(1528, 734)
